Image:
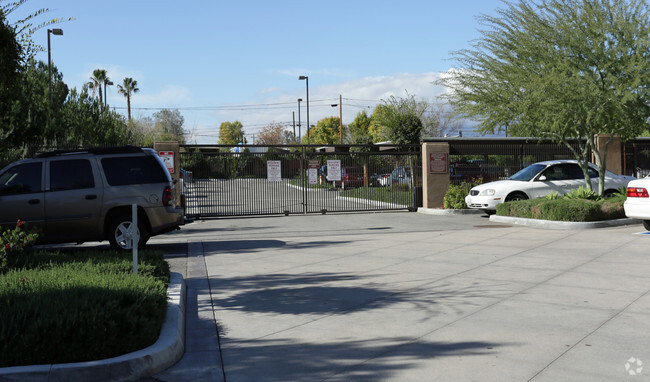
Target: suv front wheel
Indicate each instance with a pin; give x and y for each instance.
(119, 232)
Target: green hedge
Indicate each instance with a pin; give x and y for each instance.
(71, 307)
(570, 210)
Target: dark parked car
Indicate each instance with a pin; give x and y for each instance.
(79, 196)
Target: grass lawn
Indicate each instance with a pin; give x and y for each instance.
(381, 194)
(60, 307)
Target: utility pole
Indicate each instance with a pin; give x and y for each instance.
(341, 117)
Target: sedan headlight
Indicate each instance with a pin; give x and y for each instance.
(487, 192)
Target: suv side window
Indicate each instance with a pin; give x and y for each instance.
(21, 179)
(71, 175)
(122, 171)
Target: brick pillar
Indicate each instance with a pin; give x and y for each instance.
(435, 174)
(173, 147)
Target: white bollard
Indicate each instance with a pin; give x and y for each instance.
(135, 236)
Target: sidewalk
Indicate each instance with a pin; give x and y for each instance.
(413, 297)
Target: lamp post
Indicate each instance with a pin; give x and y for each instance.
(306, 78)
(58, 32)
(340, 105)
(299, 133)
(106, 83)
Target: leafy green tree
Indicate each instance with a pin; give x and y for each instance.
(25, 27)
(143, 130)
(169, 123)
(129, 87)
(326, 132)
(400, 119)
(30, 120)
(359, 129)
(231, 133)
(10, 56)
(85, 122)
(561, 69)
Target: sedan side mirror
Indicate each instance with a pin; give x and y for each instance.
(542, 178)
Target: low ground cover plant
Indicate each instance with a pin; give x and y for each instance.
(79, 306)
(578, 206)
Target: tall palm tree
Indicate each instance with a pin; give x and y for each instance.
(129, 87)
(96, 82)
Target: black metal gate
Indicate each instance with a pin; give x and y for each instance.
(263, 180)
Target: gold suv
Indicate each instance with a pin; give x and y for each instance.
(79, 196)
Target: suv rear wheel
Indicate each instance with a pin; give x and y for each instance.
(119, 234)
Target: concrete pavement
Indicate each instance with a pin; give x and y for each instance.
(409, 297)
(412, 297)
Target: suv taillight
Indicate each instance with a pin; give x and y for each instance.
(637, 192)
(167, 196)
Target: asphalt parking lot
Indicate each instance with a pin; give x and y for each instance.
(410, 297)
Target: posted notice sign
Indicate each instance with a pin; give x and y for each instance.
(438, 163)
(274, 170)
(334, 170)
(168, 159)
(312, 171)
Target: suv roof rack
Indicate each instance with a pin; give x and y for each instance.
(93, 150)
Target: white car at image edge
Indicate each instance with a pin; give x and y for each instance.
(541, 179)
(637, 204)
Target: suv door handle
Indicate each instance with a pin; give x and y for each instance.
(34, 201)
(91, 197)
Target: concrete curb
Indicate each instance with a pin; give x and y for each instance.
(440, 211)
(128, 367)
(551, 224)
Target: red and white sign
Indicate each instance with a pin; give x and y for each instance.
(438, 163)
(168, 159)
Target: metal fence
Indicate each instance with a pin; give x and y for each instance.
(263, 180)
(488, 159)
(636, 157)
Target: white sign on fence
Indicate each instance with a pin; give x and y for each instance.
(274, 170)
(334, 170)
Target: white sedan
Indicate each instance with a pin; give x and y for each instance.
(637, 204)
(541, 179)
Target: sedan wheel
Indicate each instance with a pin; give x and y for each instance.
(516, 196)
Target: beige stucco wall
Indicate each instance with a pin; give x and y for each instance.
(434, 186)
(175, 148)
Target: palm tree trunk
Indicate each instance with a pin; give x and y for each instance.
(128, 105)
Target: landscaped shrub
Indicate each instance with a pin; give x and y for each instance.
(455, 196)
(73, 307)
(564, 209)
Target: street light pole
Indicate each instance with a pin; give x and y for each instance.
(306, 78)
(58, 32)
(299, 132)
(340, 105)
(106, 83)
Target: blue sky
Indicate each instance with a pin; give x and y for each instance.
(232, 60)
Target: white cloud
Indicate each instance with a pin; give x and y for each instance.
(357, 94)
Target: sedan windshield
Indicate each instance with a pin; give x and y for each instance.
(528, 173)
